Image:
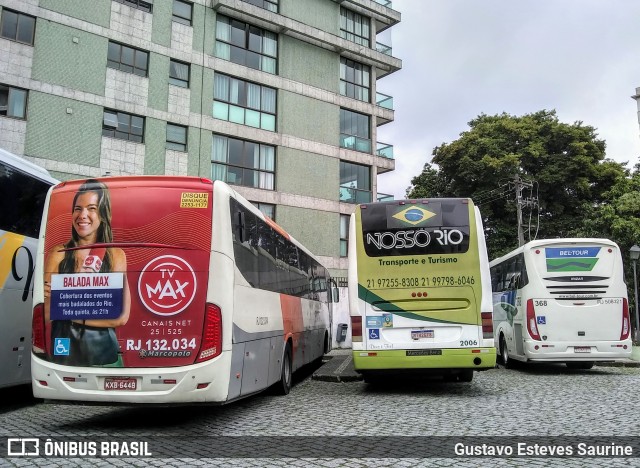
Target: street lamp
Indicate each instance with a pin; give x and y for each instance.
(634, 252)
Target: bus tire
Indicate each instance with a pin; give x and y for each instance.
(465, 375)
(283, 387)
(580, 365)
(504, 352)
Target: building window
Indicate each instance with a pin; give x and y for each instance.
(17, 26)
(271, 5)
(344, 235)
(176, 137)
(355, 132)
(267, 209)
(138, 4)
(179, 73)
(182, 12)
(13, 102)
(354, 27)
(246, 45)
(243, 162)
(355, 79)
(128, 59)
(355, 183)
(245, 103)
(123, 126)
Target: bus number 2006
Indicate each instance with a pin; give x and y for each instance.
(468, 342)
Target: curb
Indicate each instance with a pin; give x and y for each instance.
(338, 368)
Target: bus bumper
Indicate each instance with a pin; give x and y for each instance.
(471, 358)
(576, 351)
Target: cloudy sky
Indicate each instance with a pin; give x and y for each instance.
(462, 58)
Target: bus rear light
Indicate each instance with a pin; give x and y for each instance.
(202, 385)
(43, 383)
(38, 335)
(487, 325)
(532, 326)
(211, 345)
(356, 328)
(69, 379)
(626, 321)
(368, 354)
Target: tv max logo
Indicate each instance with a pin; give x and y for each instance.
(167, 285)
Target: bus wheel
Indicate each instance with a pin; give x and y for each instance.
(284, 386)
(580, 365)
(465, 376)
(504, 352)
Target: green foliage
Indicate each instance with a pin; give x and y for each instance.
(572, 180)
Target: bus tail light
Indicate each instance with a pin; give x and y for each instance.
(487, 325)
(211, 345)
(626, 321)
(38, 334)
(356, 328)
(532, 327)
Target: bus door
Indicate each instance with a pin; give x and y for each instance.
(578, 302)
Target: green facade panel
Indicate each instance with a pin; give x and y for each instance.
(199, 163)
(161, 26)
(63, 129)
(308, 118)
(69, 57)
(204, 29)
(294, 167)
(306, 63)
(316, 230)
(201, 85)
(99, 12)
(155, 139)
(322, 15)
(158, 82)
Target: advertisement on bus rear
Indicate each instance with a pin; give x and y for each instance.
(125, 272)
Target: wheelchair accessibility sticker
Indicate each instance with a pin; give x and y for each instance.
(62, 347)
(374, 333)
(542, 320)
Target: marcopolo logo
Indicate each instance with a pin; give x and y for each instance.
(167, 285)
(413, 215)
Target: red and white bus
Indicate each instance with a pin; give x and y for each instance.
(170, 290)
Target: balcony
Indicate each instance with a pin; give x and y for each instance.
(355, 143)
(383, 49)
(353, 195)
(384, 101)
(380, 10)
(384, 150)
(383, 197)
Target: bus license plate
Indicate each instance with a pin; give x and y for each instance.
(419, 334)
(582, 349)
(120, 383)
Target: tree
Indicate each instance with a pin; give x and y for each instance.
(565, 163)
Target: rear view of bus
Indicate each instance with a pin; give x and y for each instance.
(419, 292)
(568, 303)
(23, 190)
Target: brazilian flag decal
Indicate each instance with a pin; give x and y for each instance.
(572, 258)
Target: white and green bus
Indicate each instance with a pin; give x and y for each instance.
(561, 300)
(419, 289)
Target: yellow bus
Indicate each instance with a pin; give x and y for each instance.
(419, 289)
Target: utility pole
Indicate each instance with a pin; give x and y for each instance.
(519, 185)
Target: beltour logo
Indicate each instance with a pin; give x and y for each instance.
(167, 285)
(413, 215)
(571, 258)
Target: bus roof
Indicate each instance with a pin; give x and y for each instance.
(26, 166)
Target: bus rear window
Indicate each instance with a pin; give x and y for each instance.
(439, 227)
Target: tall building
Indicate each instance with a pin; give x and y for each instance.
(276, 97)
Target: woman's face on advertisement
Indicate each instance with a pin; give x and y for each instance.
(86, 219)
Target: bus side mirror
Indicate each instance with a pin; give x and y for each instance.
(335, 294)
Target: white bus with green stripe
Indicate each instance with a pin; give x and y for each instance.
(419, 289)
(561, 300)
